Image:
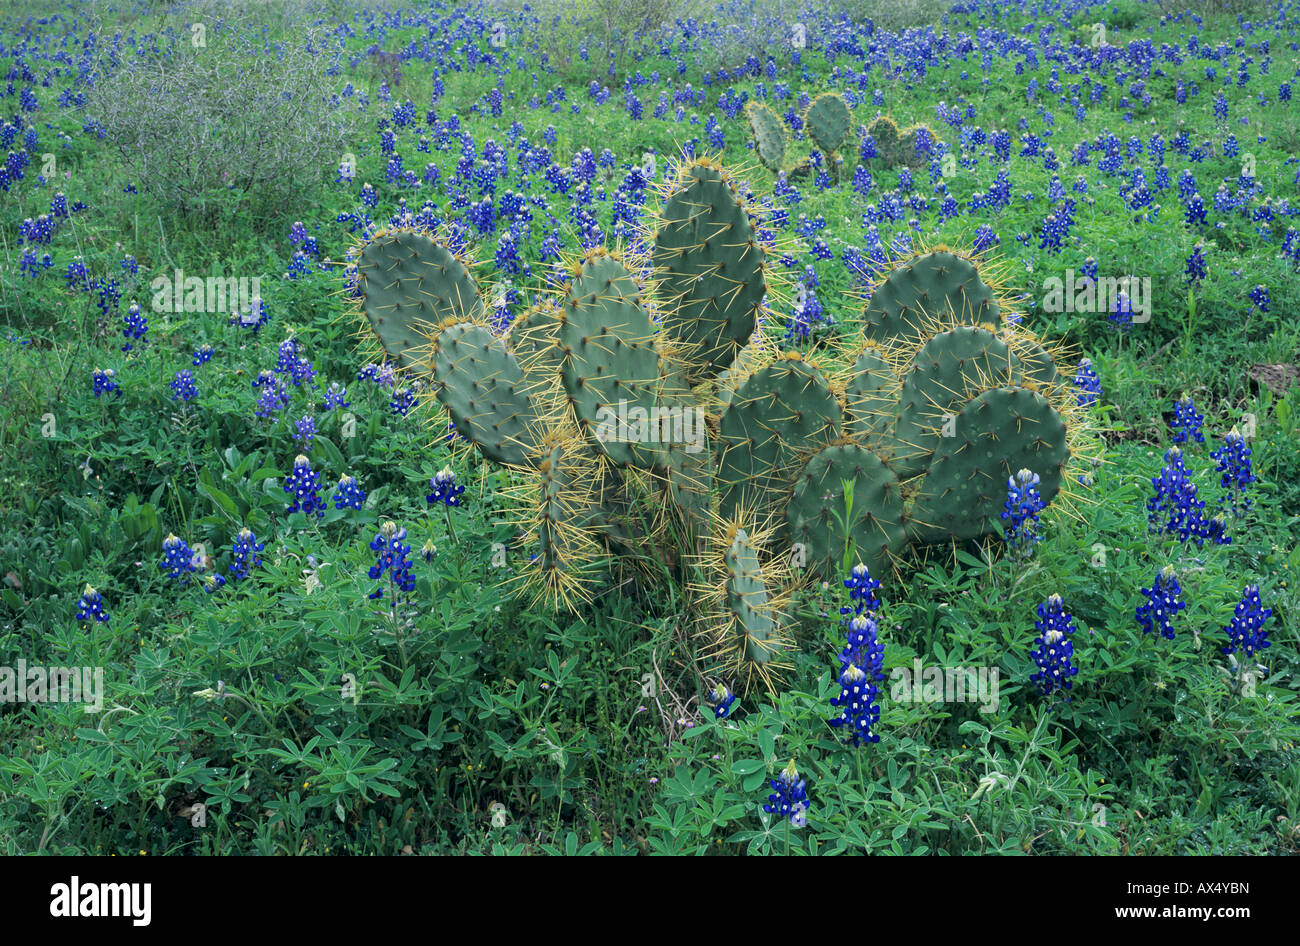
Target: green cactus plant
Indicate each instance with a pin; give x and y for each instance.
(781, 413)
(925, 290)
(827, 121)
(996, 434)
(484, 390)
(610, 365)
(408, 282)
(823, 522)
(943, 400)
(769, 135)
(711, 273)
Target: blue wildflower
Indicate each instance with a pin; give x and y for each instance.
(1089, 385)
(183, 386)
(348, 495)
(391, 558)
(1021, 513)
(1162, 603)
(1235, 466)
(789, 797)
(1246, 634)
(444, 488)
(721, 699)
(1187, 422)
(1055, 652)
(178, 559)
(91, 606)
(244, 557)
(302, 484)
(105, 382)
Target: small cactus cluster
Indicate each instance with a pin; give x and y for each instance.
(828, 124)
(645, 421)
(826, 120)
(897, 147)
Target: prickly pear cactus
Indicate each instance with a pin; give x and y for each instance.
(870, 397)
(484, 390)
(781, 414)
(769, 135)
(996, 434)
(901, 147)
(824, 524)
(949, 370)
(827, 120)
(643, 420)
(744, 598)
(925, 290)
(884, 132)
(408, 282)
(610, 364)
(710, 271)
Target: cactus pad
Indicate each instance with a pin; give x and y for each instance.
(610, 364)
(710, 269)
(408, 282)
(781, 414)
(827, 121)
(769, 135)
(816, 511)
(933, 286)
(483, 388)
(997, 434)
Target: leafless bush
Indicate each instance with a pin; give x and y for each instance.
(220, 111)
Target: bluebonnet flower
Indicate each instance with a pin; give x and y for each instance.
(1055, 653)
(272, 397)
(1089, 385)
(1162, 603)
(862, 592)
(1246, 634)
(428, 551)
(402, 401)
(391, 558)
(183, 386)
(202, 355)
(304, 431)
(335, 397)
(1235, 466)
(105, 382)
(444, 488)
(721, 699)
(1021, 513)
(244, 557)
(1187, 422)
(136, 326)
(302, 484)
(861, 664)
(91, 606)
(213, 583)
(789, 797)
(1175, 507)
(1196, 270)
(348, 495)
(1259, 296)
(178, 559)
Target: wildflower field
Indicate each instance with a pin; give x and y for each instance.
(628, 426)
